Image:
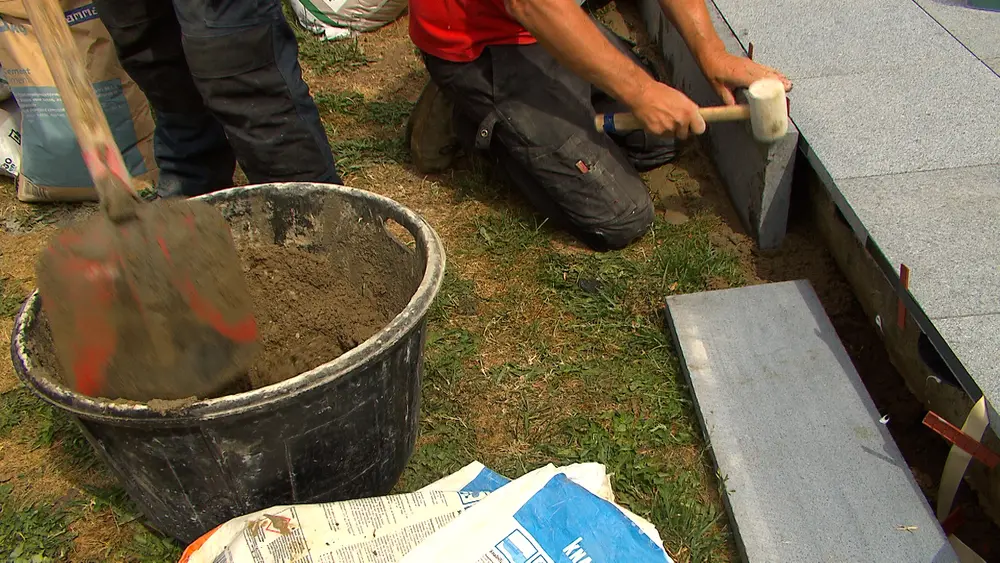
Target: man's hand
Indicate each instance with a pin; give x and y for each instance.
(723, 70)
(665, 111)
(572, 38)
(726, 71)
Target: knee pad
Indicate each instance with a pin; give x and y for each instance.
(622, 232)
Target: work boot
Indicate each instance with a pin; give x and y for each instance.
(430, 133)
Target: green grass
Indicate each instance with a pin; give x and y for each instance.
(44, 529)
(353, 155)
(150, 547)
(593, 379)
(45, 426)
(385, 146)
(448, 442)
(11, 297)
(15, 407)
(146, 545)
(390, 114)
(506, 233)
(344, 103)
(617, 335)
(325, 56)
(457, 296)
(33, 532)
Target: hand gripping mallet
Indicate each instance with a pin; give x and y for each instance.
(766, 108)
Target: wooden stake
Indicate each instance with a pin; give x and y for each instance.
(953, 522)
(967, 443)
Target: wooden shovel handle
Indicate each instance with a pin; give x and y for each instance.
(69, 72)
(625, 122)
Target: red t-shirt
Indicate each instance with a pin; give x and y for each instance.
(458, 30)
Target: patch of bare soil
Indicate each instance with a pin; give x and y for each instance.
(395, 69)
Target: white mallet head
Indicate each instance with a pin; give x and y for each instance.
(768, 109)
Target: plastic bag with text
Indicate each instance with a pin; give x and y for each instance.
(337, 19)
(540, 510)
(547, 516)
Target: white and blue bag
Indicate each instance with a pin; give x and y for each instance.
(337, 19)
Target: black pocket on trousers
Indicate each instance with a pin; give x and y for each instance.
(229, 55)
(584, 180)
(234, 13)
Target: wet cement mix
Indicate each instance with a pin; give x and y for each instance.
(306, 314)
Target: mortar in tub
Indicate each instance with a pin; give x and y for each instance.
(345, 429)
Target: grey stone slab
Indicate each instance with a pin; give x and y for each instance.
(975, 341)
(758, 176)
(944, 226)
(909, 119)
(810, 474)
(994, 64)
(978, 30)
(810, 38)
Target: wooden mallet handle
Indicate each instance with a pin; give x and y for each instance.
(766, 109)
(624, 122)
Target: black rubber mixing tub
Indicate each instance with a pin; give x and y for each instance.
(345, 429)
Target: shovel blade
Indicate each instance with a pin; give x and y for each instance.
(156, 307)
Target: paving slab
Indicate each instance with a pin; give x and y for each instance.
(978, 30)
(758, 176)
(895, 104)
(944, 226)
(807, 39)
(908, 119)
(809, 472)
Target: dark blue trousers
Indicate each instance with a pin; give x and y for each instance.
(224, 82)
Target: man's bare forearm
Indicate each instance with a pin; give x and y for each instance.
(692, 20)
(565, 30)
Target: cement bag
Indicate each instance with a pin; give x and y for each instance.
(4, 89)
(336, 19)
(387, 529)
(10, 138)
(52, 168)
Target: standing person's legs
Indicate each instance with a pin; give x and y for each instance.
(189, 144)
(244, 59)
(536, 118)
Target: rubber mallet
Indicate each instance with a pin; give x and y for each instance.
(766, 108)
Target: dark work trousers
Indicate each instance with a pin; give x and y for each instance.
(536, 120)
(224, 82)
